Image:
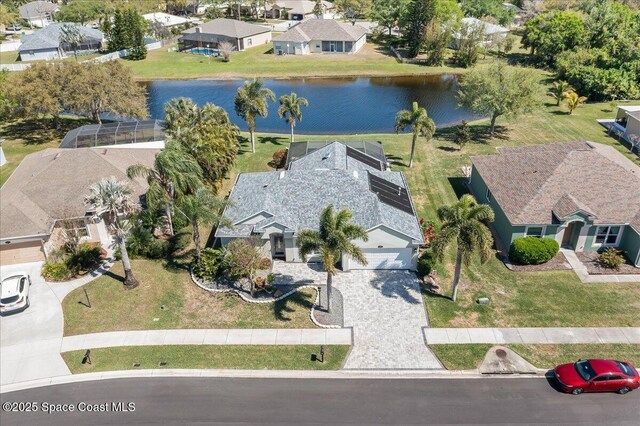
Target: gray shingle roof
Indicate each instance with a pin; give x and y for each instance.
(51, 184)
(323, 30)
(37, 9)
(229, 28)
(296, 197)
(49, 36)
(533, 183)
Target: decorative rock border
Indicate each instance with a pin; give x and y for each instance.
(316, 303)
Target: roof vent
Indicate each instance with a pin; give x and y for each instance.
(326, 157)
(198, 30)
(265, 185)
(281, 175)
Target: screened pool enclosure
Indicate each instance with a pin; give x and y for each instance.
(116, 133)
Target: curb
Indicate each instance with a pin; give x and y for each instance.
(262, 374)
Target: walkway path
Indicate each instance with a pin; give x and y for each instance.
(585, 277)
(532, 335)
(311, 336)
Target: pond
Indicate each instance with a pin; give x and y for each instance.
(336, 105)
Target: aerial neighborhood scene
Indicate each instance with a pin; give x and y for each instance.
(319, 212)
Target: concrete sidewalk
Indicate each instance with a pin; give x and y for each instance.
(532, 335)
(208, 337)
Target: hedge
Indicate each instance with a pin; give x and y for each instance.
(533, 250)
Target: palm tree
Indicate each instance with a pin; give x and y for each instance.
(73, 36)
(464, 223)
(110, 198)
(332, 241)
(558, 91)
(251, 102)
(574, 101)
(202, 208)
(291, 109)
(420, 122)
(174, 173)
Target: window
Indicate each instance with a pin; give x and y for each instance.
(584, 369)
(326, 46)
(607, 235)
(603, 378)
(249, 42)
(339, 46)
(534, 231)
(489, 195)
(348, 45)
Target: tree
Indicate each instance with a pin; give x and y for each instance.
(72, 35)
(110, 199)
(387, 13)
(207, 134)
(416, 18)
(493, 8)
(318, 9)
(6, 102)
(202, 208)
(251, 102)
(291, 109)
(470, 44)
(573, 100)
(437, 39)
(551, 33)
(7, 16)
(464, 223)
(109, 87)
(499, 90)
(226, 48)
(463, 135)
(420, 123)
(82, 12)
(158, 30)
(137, 27)
(174, 173)
(559, 90)
(353, 8)
(333, 240)
(242, 259)
(126, 31)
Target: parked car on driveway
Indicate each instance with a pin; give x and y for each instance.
(14, 27)
(597, 375)
(14, 293)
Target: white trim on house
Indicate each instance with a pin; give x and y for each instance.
(607, 235)
(542, 227)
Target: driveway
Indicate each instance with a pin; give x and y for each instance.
(30, 340)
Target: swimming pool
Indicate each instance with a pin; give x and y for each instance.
(205, 51)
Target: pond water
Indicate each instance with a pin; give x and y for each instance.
(336, 105)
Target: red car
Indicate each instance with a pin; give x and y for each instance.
(597, 375)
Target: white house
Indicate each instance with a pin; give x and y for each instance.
(626, 125)
(321, 36)
(38, 13)
(165, 19)
(492, 32)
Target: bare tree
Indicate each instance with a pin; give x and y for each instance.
(226, 48)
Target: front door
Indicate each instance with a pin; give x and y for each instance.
(568, 232)
(278, 246)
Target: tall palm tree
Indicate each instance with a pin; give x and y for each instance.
(420, 123)
(291, 109)
(463, 222)
(202, 208)
(558, 91)
(332, 241)
(174, 173)
(574, 101)
(251, 102)
(110, 198)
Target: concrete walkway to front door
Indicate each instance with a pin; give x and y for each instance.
(387, 313)
(585, 277)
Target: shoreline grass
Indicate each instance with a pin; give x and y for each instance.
(242, 357)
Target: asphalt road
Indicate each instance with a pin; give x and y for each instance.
(220, 401)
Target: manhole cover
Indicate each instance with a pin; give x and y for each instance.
(501, 353)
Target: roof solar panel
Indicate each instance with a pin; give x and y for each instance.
(390, 193)
(364, 158)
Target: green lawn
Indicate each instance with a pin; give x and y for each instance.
(468, 357)
(167, 299)
(373, 60)
(207, 357)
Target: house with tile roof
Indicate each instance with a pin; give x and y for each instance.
(273, 207)
(584, 195)
(47, 191)
(210, 34)
(297, 10)
(48, 43)
(321, 36)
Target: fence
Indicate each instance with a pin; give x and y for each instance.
(11, 46)
(14, 67)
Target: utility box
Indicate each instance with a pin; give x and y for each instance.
(483, 301)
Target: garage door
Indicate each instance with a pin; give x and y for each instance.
(12, 254)
(392, 258)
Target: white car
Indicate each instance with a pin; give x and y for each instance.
(14, 293)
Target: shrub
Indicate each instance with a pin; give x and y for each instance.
(426, 263)
(86, 257)
(56, 271)
(533, 250)
(142, 244)
(179, 241)
(265, 263)
(209, 265)
(611, 258)
(280, 158)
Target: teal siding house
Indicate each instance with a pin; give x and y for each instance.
(584, 195)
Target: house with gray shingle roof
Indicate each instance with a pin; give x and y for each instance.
(321, 36)
(48, 43)
(585, 195)
(210, 34)
(273, 207)
(38, 13)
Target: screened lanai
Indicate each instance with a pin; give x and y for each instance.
(116, 133)
(300, 149)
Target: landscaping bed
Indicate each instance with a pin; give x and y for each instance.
(242, 357)
(590, 261)
(558, 263)
(470, 356)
